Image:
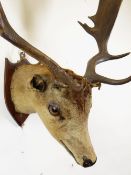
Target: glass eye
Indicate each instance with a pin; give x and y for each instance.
(54, 109)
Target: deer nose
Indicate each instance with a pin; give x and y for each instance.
(88, 162)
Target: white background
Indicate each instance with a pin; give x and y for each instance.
(51, 25)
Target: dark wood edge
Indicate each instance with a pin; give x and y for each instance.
(9, 70)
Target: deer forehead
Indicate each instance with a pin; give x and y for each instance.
(23, 94)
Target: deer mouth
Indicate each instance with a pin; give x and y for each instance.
(68, 150)
(84, 162)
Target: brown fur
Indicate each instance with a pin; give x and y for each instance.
(70, 127)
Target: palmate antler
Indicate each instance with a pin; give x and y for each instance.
(64, 108)
(103, 21)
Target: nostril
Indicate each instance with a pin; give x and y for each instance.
(88, 163)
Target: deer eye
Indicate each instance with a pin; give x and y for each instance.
(54, 109)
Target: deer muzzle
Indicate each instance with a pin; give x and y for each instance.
(81, 156)
(78, 144)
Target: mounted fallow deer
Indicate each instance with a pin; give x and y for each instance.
(60, 97)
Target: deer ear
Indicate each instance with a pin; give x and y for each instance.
(39, 82)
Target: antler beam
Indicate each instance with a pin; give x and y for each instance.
(103, 20)
(8, 33)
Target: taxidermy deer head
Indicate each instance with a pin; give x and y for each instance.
(60, 97)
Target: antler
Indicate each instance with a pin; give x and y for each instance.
(8, 33)
(103, 21)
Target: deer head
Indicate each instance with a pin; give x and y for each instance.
(60, 97)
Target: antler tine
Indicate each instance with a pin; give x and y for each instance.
(103, 20)
(93, 77)
(8, 33)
